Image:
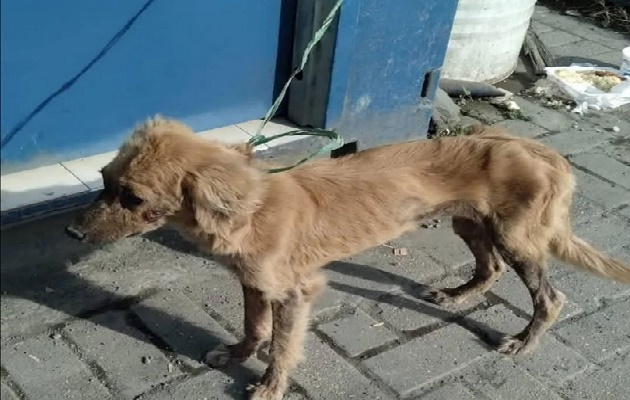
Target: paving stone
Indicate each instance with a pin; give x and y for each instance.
(556, 38)
(611, 381)
(214, 384)
(360, 277)
(614, 40)
(545, 117)
(414, 269)
(590, 291)
(605, 167)
(130, 361)
(500, 379)
(606, 233)
(575, 141)
(583, 210)
(223, 296)
(540, 27)
(482, 111)
(613, 58)
(48, 370)
(510, 288)
(427, 359)
(617, 148)
(550, 363)
(603, 193)
(567, 54)
(326, 375)
(329, 301)
(625, 211)
(439, 243)
(406, 312)
(357, 333)
(451, 391)
(7, 394)
(579, 27)
(601, 334)
(186, 328)
(521, 128)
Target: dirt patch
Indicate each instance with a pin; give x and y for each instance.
(608, 14)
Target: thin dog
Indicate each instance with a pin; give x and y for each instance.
(509, 198)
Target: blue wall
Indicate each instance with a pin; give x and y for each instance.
(386, 67)
(210, 63)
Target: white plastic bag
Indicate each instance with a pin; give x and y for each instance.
(588, 96)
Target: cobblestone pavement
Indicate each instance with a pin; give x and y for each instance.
(131, 321)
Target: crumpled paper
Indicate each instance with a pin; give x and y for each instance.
(587, 96)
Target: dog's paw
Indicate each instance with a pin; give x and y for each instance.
(219, 357)
(261, 391)
(512, 346)
(438, 296)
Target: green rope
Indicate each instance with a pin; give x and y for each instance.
(336, 140)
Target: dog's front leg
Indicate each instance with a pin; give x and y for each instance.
(290, 321)
(257, 326)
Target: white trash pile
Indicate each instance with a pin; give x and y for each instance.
(592, 87)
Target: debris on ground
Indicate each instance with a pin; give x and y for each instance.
(591, 87)
(434, 223)
(606, 13)
(458, 88)
(146, 360)
(400, 251)
(537, 53)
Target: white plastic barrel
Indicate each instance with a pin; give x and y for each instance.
(486, 39)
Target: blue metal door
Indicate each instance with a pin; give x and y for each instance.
(77, 75)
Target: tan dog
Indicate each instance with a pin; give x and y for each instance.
(509, 197)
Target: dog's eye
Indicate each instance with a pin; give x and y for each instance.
(128, 199)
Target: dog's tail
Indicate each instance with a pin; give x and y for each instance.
(573, 250)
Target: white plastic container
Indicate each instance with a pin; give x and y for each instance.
(486, 39)
(625, 62)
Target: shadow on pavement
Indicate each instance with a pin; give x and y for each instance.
(36, 257)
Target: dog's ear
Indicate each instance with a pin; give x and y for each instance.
(246, 149)
(219, 192)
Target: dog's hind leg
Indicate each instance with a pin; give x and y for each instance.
(488, 264)
(257, 326)
(547, 300)
(290, 323)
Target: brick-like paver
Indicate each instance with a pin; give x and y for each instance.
(522, 128)
(133, 320)
(551, 363)
(609, 382)
(500, 379)
(104, 338)
(187, 329)
(327, 376)
(6, 393)
(604, 166)
(47, 369)
(357, 333)
(601, 334)
(599, 191)
(425, 359)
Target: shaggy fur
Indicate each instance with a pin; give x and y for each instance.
(509, 197)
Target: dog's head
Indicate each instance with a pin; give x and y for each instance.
(164, 172)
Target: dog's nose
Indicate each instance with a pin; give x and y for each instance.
(74, 233)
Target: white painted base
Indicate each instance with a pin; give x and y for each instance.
(38, 185)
